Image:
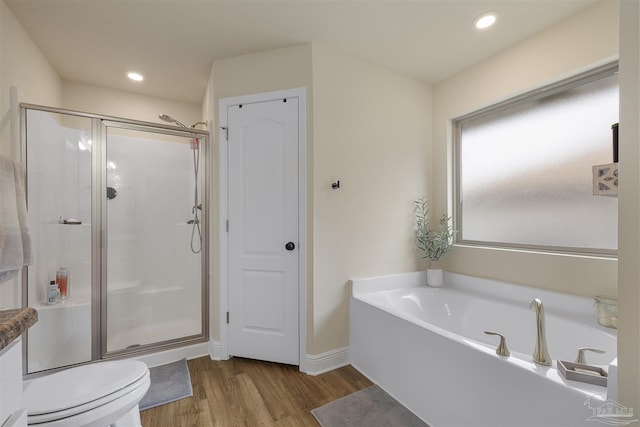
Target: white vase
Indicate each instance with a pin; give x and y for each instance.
(435, 277)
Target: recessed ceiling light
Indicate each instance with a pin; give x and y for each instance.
(135, 76)
(485, 20)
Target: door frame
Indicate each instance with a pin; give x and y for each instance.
(220, 350)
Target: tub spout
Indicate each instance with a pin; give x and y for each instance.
(541, 353)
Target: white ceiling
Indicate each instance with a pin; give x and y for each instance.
(174, 42)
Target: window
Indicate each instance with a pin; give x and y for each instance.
(524, 168)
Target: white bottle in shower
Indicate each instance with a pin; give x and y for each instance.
(53, 293)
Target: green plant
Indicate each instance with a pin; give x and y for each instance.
(435, 243)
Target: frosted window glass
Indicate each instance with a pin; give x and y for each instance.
(526, 172)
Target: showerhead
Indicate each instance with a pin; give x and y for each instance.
(168, 118)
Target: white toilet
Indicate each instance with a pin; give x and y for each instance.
(97, 395)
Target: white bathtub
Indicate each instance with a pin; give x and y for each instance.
(427, 348)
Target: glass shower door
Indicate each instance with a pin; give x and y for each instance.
(153, 235)
(116, 204)
(58, 150)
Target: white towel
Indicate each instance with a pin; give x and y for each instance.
(15, 243)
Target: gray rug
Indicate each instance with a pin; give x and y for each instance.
(371, 407)
(169, 383)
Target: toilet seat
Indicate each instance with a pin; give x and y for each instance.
(86, 393)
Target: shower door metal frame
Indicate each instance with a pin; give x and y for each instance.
(99, 125)
(105, 124)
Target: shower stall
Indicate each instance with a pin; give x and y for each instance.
(121, 207)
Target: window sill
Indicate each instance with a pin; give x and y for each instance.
(540, 251)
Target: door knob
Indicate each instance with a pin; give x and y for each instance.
(290, 246)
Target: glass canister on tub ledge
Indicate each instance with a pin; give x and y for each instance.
(607, 311)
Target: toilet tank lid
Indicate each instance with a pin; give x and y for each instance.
(77, 386)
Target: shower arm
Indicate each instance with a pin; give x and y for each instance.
(205, 124)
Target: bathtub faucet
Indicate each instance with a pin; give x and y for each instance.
(541, 354)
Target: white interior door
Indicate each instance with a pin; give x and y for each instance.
(263, 230)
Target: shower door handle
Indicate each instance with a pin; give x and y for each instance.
(290, 246)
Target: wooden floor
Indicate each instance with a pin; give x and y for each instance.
(243, 392)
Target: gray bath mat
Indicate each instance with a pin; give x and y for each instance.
(169, 383)
(371, 407)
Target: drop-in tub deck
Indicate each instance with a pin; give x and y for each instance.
(427, 348)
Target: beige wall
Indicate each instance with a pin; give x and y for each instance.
(117, 103)
(629, 208)
(372, 131)
(23, 66)
(268, 71)
(368, 127)
(579, 42)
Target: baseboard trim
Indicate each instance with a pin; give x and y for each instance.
(317, 364)
(313, 364)
(216, 352)
(160, 358)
